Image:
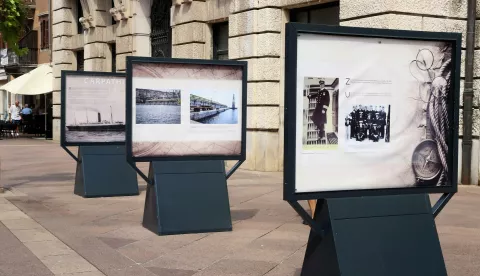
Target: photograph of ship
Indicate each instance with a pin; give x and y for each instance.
(211, 107)
(88, 125)
(320, 113)
(158, 106)
(94, 109)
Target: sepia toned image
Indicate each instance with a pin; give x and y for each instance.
(94, 109)
(320, 113)
(158, 106)
(202, 116)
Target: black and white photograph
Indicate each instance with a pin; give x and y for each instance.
(213, 107)
(94, 109)
(158, 106)
(320, 113)
(368, 124)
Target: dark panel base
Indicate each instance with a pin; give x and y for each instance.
(187, 197)
(103, 171)
(375, 236)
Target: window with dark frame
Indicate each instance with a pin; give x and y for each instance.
(220, 41)
(326, 14)
(80, 60)
(44, 32)
(113, 49)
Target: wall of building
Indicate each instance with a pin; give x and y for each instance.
(129, 35)
(42, 10)
(256, 34)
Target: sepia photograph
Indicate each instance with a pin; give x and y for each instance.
(200, 114)
(94, 109)
(320, 113)
(213, 107)
(158, 106)
(368, 124)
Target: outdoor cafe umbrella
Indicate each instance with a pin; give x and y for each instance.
(36, 82)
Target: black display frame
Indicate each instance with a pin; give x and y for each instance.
(131, 60)
(290, 111)
(64, 74)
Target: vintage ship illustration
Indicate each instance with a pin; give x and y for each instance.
(99, 125)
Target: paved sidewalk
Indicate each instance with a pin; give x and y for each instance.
(46, 230)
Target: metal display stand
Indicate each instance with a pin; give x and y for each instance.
(203, 184)
(375, 236)
(102, 171)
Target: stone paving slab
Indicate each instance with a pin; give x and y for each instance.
(42, 247)
(16, 259)
(106, 236)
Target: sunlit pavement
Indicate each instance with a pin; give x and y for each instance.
(47, 230)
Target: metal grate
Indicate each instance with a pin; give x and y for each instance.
(161, 33)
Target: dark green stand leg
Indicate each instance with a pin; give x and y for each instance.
(187, 197)
(375, 236)
(103, 171)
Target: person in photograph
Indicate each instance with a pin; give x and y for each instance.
(353, 125)
(383, 119)
(319, 117)
(348, 125)
(366, 123)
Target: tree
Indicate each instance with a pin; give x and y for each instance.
(13, 15)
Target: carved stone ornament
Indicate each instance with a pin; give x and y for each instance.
(87, 22)
(121, 11)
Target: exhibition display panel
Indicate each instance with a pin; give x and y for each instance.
(371, 128)
(186, 109)
(93, 118)
(186, 117)
(370, 112)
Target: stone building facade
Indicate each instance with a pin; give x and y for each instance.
(101, 34)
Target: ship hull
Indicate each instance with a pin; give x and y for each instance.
(97, 128)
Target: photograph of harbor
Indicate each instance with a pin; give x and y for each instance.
(158, 106)
(94, 111)
(212, 107)
(187, 110)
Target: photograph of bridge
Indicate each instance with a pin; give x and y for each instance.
(210, 107)
(158, 106)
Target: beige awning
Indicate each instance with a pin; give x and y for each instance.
(36, 82)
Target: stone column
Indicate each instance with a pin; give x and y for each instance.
(425, 15)
(256, 35)
(190, 31)
(95, 37)
(132, 31)
(64, 27)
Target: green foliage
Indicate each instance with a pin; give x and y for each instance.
(13, 15)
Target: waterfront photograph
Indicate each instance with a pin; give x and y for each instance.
(212, 107)
(95, 113)
(158, 106)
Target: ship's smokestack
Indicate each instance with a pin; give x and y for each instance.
(99, 117)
